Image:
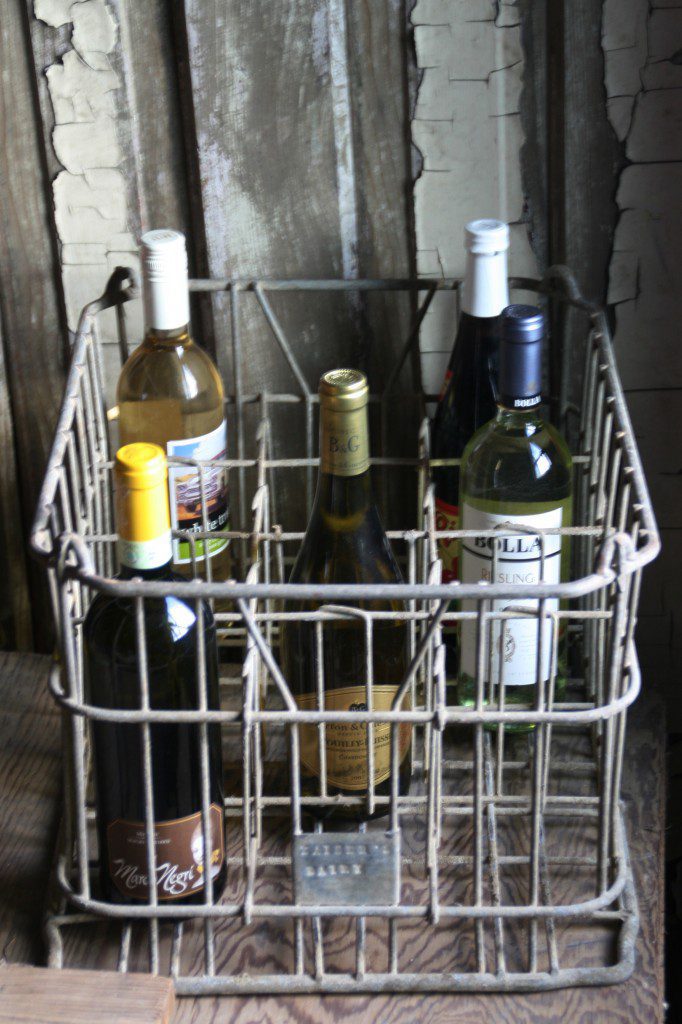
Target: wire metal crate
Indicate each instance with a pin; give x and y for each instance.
(509, 849)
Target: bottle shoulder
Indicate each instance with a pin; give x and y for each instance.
(110, 627)
(182, 371)
(355, 550)
(513, 460)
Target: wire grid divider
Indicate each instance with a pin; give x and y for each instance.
(509, 840)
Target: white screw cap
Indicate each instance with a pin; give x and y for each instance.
(163, 255)
(486, 237)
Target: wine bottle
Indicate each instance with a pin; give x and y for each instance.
(170, 393)
(345, 542)
(516, 475)
(467, 400)
(172, 641)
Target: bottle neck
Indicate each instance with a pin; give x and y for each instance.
(485, 292)
(520, 376)
(166, 301)
(523, 421)
(144, 535)
(344, 486)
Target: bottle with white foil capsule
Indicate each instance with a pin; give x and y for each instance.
(469, 390)
(516, 478)
(173, 636)
(170, 393)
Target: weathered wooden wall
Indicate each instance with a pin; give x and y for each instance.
(330, 138)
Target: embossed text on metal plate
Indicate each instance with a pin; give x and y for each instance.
(347, 869)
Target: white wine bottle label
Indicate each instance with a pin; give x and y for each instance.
(447, 518)
(511, 644)
(179, 846)
(186, 498)
(145, 554)
(346, 744)
(344, 442)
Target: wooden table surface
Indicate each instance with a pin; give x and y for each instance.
(29, 796)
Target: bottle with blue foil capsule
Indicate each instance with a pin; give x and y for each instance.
(516, 477)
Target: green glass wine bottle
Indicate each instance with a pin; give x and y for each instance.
(516, 474)
(345, 542)
(113, 680)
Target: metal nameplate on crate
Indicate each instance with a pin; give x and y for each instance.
(347, 869)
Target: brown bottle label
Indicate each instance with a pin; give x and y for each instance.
(346, 744)
(344, 444)
(447, 518)
(179, 848)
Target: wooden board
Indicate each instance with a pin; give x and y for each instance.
(28, 784)
(36, 995)
(32, 328)
(30, 787)
(318, 86)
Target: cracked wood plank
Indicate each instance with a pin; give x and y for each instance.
(111, 122)
(644, 78)
(467, 127)
(302, 153)
(31, 327)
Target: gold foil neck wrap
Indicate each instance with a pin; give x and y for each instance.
(344, 442)
(343, 390)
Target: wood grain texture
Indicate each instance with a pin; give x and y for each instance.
(16, 628)
(30, 786)
(33, 332)
(36, 995)
(279, 199)
(29, 772)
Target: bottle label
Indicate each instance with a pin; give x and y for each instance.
(179, 848)
(447, 518)
(344, 442)
(511, 644)
(145, 554)
(346, 744)
(185, 494)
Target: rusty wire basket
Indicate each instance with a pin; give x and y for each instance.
(505, 864)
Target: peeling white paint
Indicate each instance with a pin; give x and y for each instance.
(53, 12)
(468, 130)
(90, 194)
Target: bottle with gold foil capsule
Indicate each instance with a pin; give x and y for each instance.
(345, 542)
(173, 637)
(170, 393)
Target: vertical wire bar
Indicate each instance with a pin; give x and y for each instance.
(369, 700)
(176, 949)
(316, 927)
(308, 450)
(494, 864)
(235, 327)
(94, 358)
(360, 934)
(124, 947)
(78, 744)
(607, 760)
(142, 671)
(321, 726)
(208, 568)
(206, 830)
(249, 673)
(482, 625)
(537, 809)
